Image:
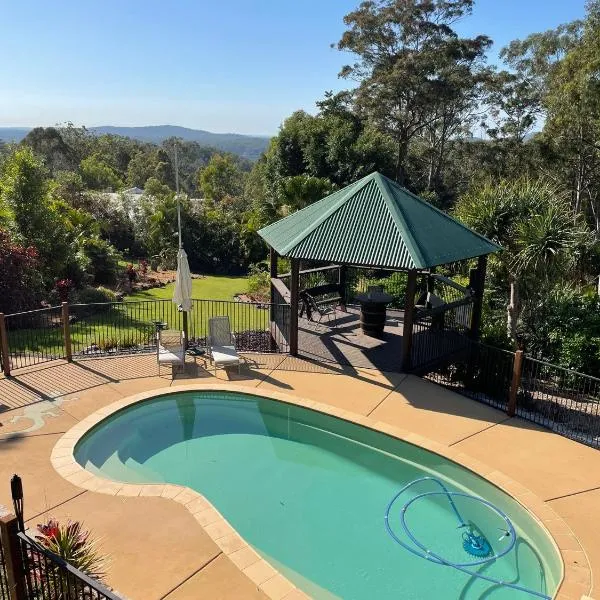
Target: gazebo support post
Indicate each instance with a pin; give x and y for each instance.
(294, 305)
(342, 274)
(477, 283)
(409, 313)
(431, 281)
(273, 273)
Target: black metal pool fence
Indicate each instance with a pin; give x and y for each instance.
(559, 399)
(30, 571)
(74, 331)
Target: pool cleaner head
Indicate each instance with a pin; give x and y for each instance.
(476, 545)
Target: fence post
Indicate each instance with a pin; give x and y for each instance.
(515, 384)
(4, 346)
(294, 306)
(67, 331)
(13, 562)
(409, 314)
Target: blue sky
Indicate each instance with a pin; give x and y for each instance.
(228, 65)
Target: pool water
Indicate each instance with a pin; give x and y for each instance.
(309, 492)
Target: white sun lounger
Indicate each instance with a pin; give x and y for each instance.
(170, 349)
(221, 343)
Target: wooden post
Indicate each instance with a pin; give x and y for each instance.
(431, 280)
(515, 384)
(342, 274)
(294, 306)
(4, 346)
(67, 331)
(409, 313)
(477, 282)
(273, 272)
(9, 528)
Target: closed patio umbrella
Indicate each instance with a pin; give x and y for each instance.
(182, 296)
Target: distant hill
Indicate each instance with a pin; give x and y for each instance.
(13, 134)
(248, 146)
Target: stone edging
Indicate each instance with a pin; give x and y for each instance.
(576, 580)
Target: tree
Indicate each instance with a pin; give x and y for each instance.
(24, 194)
(48, 143)
(300, 191)
(413, 68)
(97, 175)
(542, 241)
(153, 163)
(573, 118)
(220, 178)
(514, 104)
(312, 155)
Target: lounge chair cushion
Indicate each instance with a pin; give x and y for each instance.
(225, 355)
(171, 356)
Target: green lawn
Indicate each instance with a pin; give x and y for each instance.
(210, 287)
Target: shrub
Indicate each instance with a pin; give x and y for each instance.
(131, 273)
(73, 544)
(109, 343)
(259, 282)
(103, 260)
(93, 295)
(21, 284)
(63, 288)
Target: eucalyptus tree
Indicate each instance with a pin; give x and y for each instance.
(414, 71)
(573, 117)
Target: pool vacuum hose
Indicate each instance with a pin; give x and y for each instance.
(473, 541)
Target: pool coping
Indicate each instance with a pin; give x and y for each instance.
(575, 582)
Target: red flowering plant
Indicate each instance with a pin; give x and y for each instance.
(131, 273)
(63, 287)
(21, 283)
(74, 545)
(144, 267)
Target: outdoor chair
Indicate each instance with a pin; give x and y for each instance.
(322, 309)
(170, 349)
(221, 343)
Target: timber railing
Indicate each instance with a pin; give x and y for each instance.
(74, 331)
(353, 281)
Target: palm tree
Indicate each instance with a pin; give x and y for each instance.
(541, 236)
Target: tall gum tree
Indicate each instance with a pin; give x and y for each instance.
(413, 69)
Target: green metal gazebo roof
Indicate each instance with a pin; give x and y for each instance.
(375, 222)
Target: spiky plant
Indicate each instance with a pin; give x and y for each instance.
(74, 545)
(533, 221)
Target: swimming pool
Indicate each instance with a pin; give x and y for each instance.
(310, 493)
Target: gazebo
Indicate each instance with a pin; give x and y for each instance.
(375, 223)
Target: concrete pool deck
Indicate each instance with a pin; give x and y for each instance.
(180, 560)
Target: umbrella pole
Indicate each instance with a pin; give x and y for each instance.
(177, 195)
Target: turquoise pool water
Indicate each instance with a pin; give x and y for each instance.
(309, 492)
